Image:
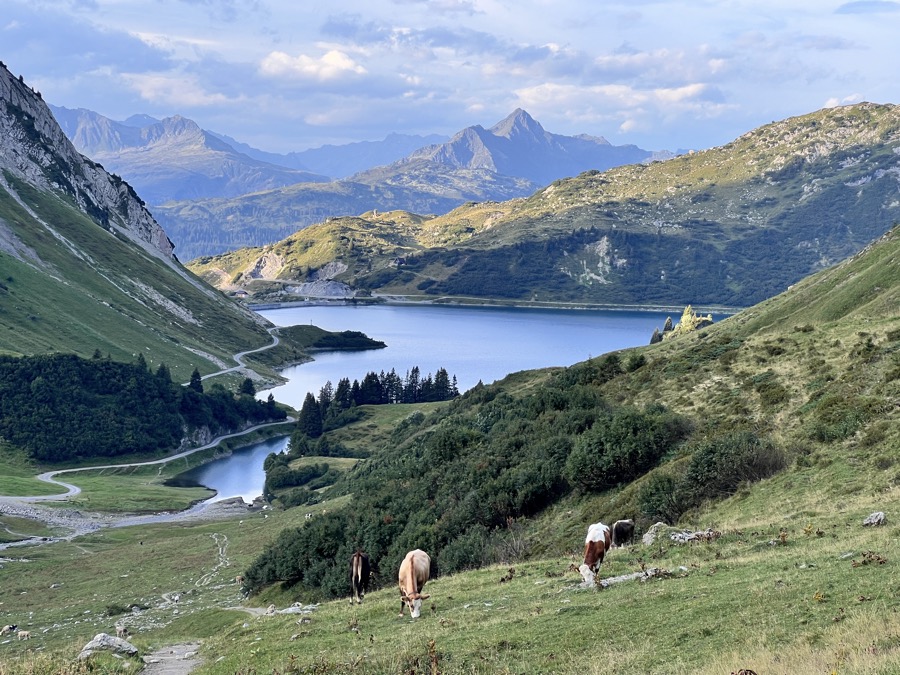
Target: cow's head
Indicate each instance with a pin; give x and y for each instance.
(414, 602)
(587, 574)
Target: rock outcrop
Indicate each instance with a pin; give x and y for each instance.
(34, 148)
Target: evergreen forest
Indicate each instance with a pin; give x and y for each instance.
(63, 408)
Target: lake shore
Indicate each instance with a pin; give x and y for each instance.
(450, 301)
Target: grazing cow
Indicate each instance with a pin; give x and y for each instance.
(414, 572)
(12, 628)
(359, 576)
(622, 532)
(121, 632)
(24, 635)
(596, 544)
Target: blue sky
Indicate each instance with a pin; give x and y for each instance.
(288, 75)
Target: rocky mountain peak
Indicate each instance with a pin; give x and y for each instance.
(519, 125)
(34, 148)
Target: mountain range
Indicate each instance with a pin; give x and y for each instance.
(172, 159)
(727, 226)
(214, 194)
(85, 267)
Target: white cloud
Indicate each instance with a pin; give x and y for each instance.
(619, 95)
(834, 102)
(173, 90)
(333, 65)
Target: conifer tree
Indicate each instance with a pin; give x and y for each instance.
(196, 382)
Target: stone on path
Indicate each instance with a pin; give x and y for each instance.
(178, 659)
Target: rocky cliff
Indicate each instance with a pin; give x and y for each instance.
(34, 148)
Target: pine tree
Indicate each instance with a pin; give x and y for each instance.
(309, 421)
(196, 382)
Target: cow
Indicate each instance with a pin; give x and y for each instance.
(359, 576)
(11, 628)
(596, 544)
(414, 572)
(622, 532)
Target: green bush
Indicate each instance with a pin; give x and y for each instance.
(662, 498)
(720, 465)
(623, 447)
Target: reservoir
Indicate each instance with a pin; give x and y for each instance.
(471, 343)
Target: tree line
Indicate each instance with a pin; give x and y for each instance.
(61, 407)
(330, 409)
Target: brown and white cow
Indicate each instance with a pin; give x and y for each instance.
(414, 572)
(597, 542)
(622, 532)
(359, 576)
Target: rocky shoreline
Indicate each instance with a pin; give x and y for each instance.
(72, 523)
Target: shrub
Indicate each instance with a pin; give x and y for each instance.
(635, 360)
(839, 416)
(662, 498)
(623, 447)
(720, 465)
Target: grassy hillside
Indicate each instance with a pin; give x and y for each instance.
(728, 226)
(794, 584)
(84, 289)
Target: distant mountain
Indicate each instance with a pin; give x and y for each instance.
(511, 160)
(341, 161)
(172, 159)
(214, 226)
(519, 146)
(728, 226)
(86, 268)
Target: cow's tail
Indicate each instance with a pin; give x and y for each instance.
(356, 570)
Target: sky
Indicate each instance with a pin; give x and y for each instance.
(288, 75)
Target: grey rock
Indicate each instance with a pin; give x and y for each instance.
(875, 519)
(106, 642)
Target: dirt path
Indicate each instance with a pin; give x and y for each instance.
(178, 659)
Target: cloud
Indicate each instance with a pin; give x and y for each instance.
(834, 102)
(690, 95)
(177, 91)
(443, 6)
(333, 65)
(868, 7)
(224, 10)
(54, 45)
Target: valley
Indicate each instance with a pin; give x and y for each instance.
(773, 431)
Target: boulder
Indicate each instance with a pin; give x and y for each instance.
(106, 642)
(875, 519)
(651, 534)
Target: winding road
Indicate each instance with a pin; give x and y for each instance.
(81, 523)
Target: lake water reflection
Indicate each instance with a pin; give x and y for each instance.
(238, 475)
(472, 343)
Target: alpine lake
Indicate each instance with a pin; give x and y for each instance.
(473, 344)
